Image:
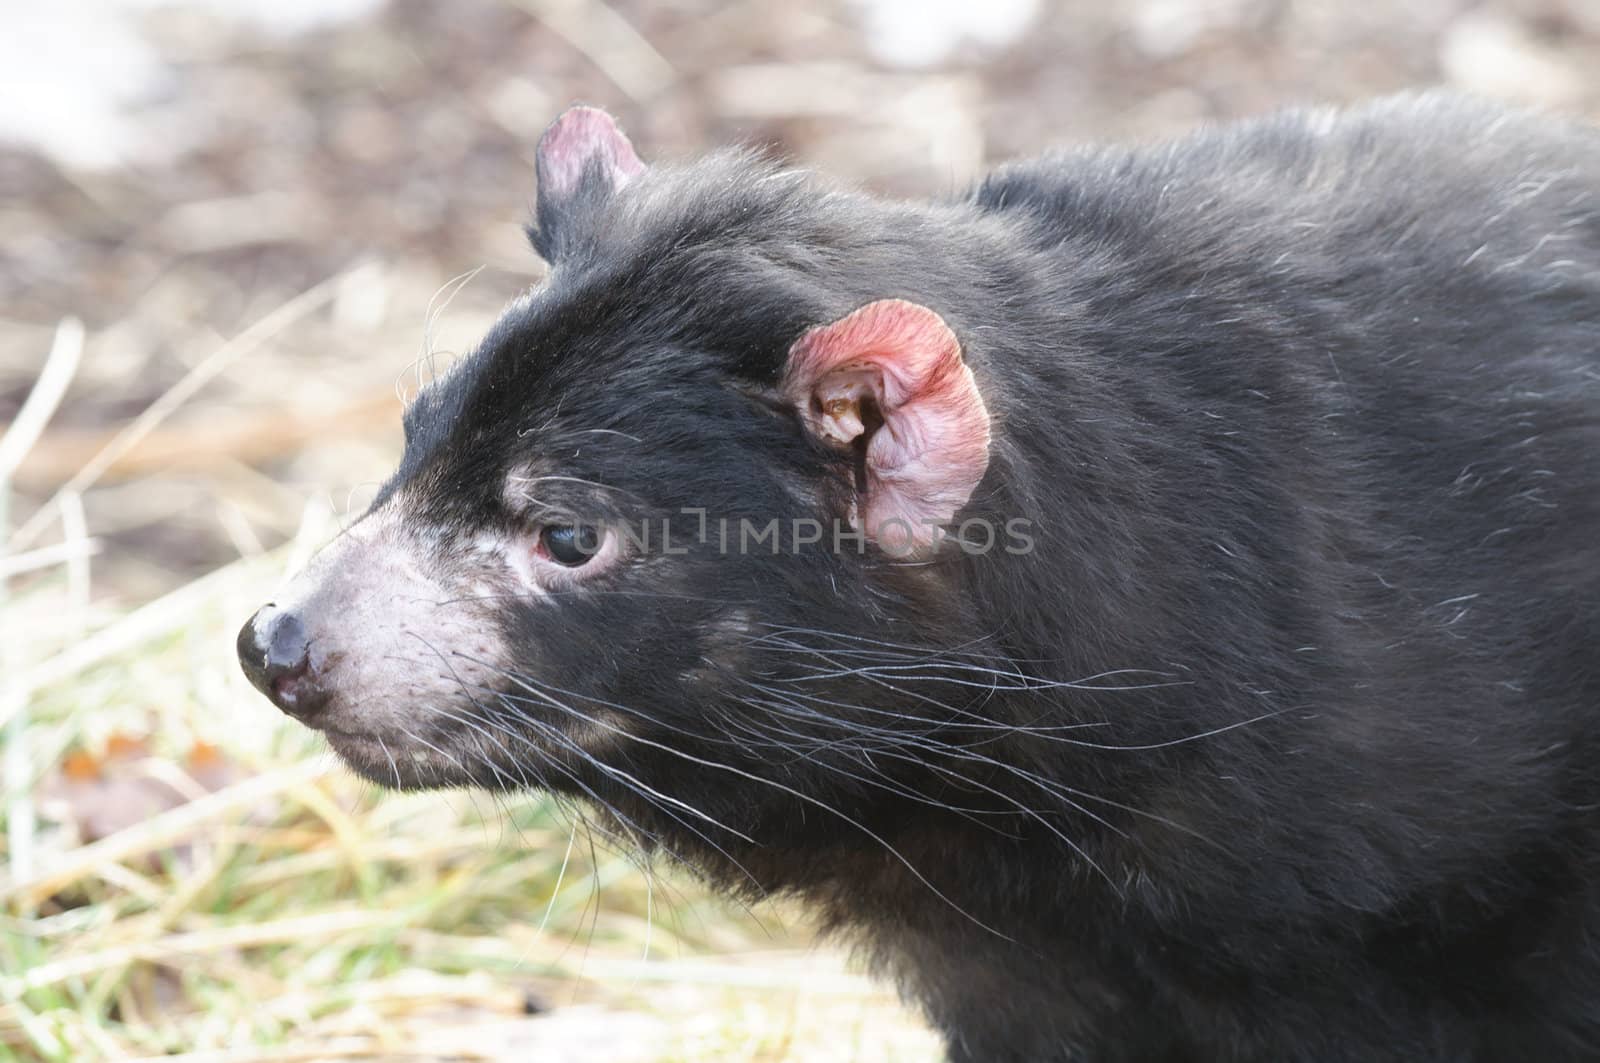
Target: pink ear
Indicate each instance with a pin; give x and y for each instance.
(892, 371)
(581, 137)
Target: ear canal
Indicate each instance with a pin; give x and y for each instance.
(582, 159)
(889, 382)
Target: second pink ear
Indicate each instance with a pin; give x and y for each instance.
(890, 376)
(580, 138)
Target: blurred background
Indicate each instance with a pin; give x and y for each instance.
(234, 236)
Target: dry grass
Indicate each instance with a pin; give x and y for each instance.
(202, 358)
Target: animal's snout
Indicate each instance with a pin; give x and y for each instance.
(276, 657)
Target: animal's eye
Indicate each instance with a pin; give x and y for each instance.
(571, 545)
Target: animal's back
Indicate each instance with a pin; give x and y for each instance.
(1392, 316)
(1363, 350)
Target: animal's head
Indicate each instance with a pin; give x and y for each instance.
(690, 513)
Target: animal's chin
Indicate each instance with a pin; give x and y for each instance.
(502, 755)
(399, 764)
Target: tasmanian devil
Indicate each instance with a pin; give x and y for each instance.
(1151, 602)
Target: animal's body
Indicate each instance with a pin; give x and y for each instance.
(1271, 733)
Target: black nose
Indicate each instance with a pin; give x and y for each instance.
(276, 657)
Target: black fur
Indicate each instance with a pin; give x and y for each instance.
(1281, 744)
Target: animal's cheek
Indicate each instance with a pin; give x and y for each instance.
(400, 632)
